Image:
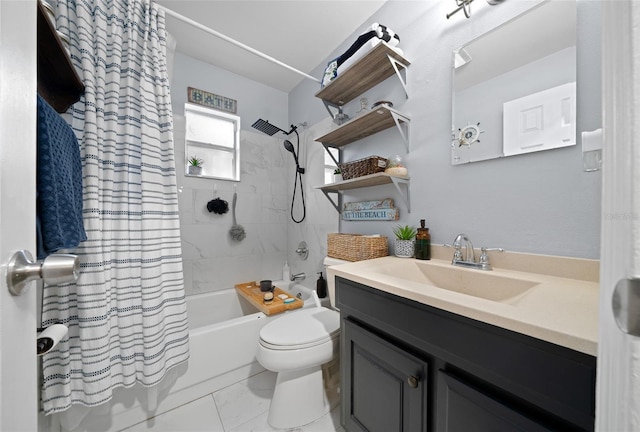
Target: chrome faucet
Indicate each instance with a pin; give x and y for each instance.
(469, 258)
(298, 277)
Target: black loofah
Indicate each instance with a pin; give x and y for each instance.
(218, 206)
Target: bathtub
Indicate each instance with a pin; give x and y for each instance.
(224, 329)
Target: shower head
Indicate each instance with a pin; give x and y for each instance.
(266, 127)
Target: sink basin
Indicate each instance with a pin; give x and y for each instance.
(473, 282)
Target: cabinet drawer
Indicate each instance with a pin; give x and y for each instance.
(385, 388)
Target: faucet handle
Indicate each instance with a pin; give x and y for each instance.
(484, 257)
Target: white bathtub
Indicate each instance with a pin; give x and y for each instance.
(223, 340)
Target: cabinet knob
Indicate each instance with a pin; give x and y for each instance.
(413, 381)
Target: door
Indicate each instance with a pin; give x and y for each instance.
(384, 388)
(18, 392)
(618, 383)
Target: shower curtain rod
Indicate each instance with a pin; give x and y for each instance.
(233, 41)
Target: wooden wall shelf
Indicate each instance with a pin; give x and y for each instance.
(376, 120)
(58, 82)
(376, 179)
(376, 66)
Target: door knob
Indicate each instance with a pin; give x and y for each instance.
(53, 270)
(413, 381)
(626, 305)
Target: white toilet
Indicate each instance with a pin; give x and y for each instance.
(296, 346)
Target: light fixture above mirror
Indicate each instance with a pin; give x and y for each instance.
(465, 6)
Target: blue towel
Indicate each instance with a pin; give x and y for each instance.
(59, 184)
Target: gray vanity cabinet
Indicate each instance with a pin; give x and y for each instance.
(387, 385)
(407, 366)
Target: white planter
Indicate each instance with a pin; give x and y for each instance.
(337, 178)
(404, 248)
(194, 170)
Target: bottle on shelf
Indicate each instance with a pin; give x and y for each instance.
(423, 242)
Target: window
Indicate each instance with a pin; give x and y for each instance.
(329, 164)
(213, 139)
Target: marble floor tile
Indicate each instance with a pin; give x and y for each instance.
(330, 422)
(197, 416)
(243, 401)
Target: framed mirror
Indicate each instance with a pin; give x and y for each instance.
(514, 88)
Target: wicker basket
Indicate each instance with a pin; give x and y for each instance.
(362, 167)
(356, 247)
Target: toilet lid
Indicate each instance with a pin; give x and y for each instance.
(302, 327)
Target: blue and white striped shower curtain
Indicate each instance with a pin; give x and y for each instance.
(126, 314)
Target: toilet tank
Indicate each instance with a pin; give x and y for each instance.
(331, 282)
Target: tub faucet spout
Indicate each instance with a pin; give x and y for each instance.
(298, 277)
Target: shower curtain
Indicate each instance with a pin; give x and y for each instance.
(126, 313)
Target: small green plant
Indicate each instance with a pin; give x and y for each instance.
(337, 171)
(404, 232)
(195, 161)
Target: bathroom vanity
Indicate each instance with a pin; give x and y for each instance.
(423, 357)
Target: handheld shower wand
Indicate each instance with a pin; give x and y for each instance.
(289, 147)
(298, 177)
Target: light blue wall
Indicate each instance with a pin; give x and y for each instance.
(537, 203)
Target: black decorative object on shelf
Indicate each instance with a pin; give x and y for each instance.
(218, 206)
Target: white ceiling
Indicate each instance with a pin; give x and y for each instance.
(300, 33)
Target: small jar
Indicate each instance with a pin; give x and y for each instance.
(423, 242)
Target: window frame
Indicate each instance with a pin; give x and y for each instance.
(189, 145)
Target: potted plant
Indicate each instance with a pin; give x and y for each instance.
(337, 175)
(404, 243)
(194, 165)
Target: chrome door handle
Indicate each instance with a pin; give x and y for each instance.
(53, 270)
(626, 305)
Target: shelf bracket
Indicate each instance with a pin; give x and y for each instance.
(403, 80)
(335, 205)
(405, 196)
(327, 105)
(402, 123)
(326, 147)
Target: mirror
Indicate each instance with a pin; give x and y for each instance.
(514, 86)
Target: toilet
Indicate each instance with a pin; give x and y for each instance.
(296, 346)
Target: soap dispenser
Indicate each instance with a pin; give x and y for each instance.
(423, 242)
(321, 286)
(286, 273)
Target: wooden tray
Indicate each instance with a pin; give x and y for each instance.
(252, 293)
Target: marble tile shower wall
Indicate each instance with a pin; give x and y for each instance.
(212, 261)
(322, 218)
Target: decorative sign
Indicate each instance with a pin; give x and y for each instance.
(370, 210)
(211, 100)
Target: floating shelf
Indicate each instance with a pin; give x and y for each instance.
(376, 179)
(376, 66)
(376, 120)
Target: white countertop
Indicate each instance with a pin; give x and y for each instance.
(560, 310)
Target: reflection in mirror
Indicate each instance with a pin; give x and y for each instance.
(514, 86)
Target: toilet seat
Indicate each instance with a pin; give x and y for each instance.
(301, 329)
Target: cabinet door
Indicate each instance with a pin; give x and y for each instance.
(463, 408)
(385, 388)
